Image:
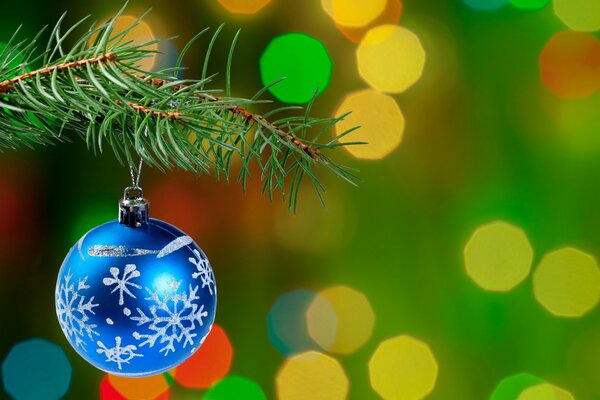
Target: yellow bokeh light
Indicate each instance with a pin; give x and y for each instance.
(332, 319)
(498, 256)
(545, 391)
(567, 282)
(138, 35)
(246, 7)
(139, 388)
(381, 124)
(403, 368)
(390, 58)
(313, 376)
(579, 15)
(353, 13)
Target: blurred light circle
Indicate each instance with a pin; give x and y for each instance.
(403, 368)
(177, 201)
(380, 120)
(353, 13)
(530, 4)
(545, 391)
(304, 63)
(498, 256)
(579, 15)
(340, 319)
(390, 58)
(139, 34)
(36, 369)
(167, 58)
(570, 64)
(210, 363)
(108, 392)
(286, 322)
(313, 376)
(246, 7)
(485, 5)
(390, 16)
(149, 387)
(235, 387)
(510, 388)
(567, 282)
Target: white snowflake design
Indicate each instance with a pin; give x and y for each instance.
(173, 318)
(130, 272)
(72, 310)
(204, 271)
(118, 354)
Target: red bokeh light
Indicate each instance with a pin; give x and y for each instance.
(209, 364)
(570, 64)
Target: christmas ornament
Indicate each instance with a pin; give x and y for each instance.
(135, 296)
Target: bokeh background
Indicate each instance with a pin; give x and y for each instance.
(464, 265)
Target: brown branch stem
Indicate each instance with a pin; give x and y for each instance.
(7, 85)
(311, 151)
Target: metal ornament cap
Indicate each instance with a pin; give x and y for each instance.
(133, 207)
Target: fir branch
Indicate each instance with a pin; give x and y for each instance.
(96, 90)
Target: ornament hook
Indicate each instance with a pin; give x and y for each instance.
(133, 207)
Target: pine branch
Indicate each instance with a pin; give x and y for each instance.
(96, 90)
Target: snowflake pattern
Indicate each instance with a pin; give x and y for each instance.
(130, 272)
(204, 271)
(118, 354)
(72, 310)
(172, 319)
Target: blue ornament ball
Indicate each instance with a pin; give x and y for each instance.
(136, 301)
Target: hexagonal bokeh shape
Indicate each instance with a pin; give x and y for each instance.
(303, 62)
(244, 7)
(567, 282)
(565, 66)
(578, 15)
(340, 319)
(353, 13)
(209, 364)
(403, 368)
(36, 369)
(313, 376)
(235, 387)
(545, 391)
(149, 387)
(509, 388)
(381, 124)
(286, 322)
(390, 58)
(498, 256)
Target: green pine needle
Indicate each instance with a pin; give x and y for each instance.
(96, 90)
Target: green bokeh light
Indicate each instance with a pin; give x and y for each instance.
(304, 63)
(530, 4)
(97, 214)
(233, 388)
(510, 388)
(485, 5)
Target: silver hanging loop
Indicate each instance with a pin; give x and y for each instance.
(133, 207)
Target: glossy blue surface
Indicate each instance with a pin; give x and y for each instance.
(136, 301)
